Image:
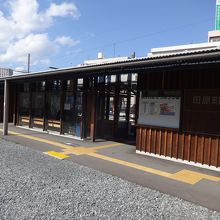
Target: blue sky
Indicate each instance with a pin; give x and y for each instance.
(65, 33)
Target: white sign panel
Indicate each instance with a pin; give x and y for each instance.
(67, 106)
(159, 111)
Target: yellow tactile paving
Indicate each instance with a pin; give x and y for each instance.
(68, 149)
(186, 176)
(107, 146)
(56, 154)
(192, 177)
(132, 165)
(57, 144)
(88, 150)
(79, 151)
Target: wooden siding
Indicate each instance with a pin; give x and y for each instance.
(204, 149)
(190, 144)
(182, 79)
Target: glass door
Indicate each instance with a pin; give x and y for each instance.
(38, 109)
(73, 105)
(37, 101)
(53, 106)
(24, 104)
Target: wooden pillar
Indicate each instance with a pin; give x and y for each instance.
(94, 109)
(107, 105)
(137, 99)
(116, 104)
(31, 120)
(128, 110)
(45, 106)
(62, 105)
(6, 108)
(181, 103)
(84, 108)
(101, 108)
(15, 104)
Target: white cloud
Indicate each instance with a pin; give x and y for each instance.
(25, 16)
(66, 41)
(63, 9)
(38, 45)
(21, 31)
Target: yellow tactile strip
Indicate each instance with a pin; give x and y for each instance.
(186, 176)
(56, 154)
(67, 148)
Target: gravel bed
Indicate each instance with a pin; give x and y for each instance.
(37, 186)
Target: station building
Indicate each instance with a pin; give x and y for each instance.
(168, 102)
(6, 72)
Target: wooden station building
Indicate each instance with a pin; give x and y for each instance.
(169, 104)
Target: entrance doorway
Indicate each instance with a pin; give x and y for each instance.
(73, 107)
(116, 100)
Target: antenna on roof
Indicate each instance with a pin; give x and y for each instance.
(100, 55)
(133, 55)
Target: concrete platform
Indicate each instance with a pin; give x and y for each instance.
(193, 184)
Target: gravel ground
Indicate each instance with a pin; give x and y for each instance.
(37, 186)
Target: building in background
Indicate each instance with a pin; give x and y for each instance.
(4, 72)
(165, 51)
(102, 60)
(214, 36)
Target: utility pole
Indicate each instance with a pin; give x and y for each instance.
(29, 60)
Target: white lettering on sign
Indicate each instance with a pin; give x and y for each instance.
(206, 100)
(215, 100)
(196, 100)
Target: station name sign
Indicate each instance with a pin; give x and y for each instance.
(202, 99)
(206, 100)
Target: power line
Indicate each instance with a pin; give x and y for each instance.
(115, 43)
(136, 38)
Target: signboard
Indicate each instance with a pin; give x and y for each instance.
(217, 18)
(201, 111)
(202, 100)
(159, 111)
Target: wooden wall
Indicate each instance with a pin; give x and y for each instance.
(193, 141)
(181, 79)
(204, 149)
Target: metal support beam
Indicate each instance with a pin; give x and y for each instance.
(6, 109)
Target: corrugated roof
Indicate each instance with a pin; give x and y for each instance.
(151, 60)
